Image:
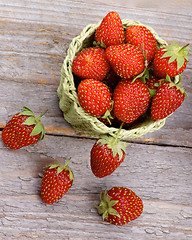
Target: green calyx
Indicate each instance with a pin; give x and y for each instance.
(108, 116)
(99, 44)
(115, 144)
(31, 120)
(106, 205)
(61, 167)
(176, 52)
(177, 83)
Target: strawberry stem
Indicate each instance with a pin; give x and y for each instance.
(67, 163)
(117, 136)
(109, 121)
(181, 49)
(42, 114)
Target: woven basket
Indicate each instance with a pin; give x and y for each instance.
(67, 92)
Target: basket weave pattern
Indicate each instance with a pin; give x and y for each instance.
(67, 92)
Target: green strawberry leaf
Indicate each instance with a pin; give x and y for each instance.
(176, 52)
(172, 58)
(180, 62)
(26, 111)
(152, 92)
(114, 212)
(106, 205)
(115, 145)
(37, 129)
(29, 121)
(107, 116)
(105, 214)
(112, 203)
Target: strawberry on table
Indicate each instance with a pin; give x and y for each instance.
(110, 31)
(170, 60)
(142, 37)
(167, 99)
(120, 205)
(126, 60)
(57, 180)
(94, 97)
(91, 63)
(131, 99)
(106, 155)
(23, 129)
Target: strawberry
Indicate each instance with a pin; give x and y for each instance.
(91, 63)
(119, 205)
(57, 180)
(131, 99)
(126, 60)
(142, 37)
(166, 100)
(94, 97)
(153, 84)
(110, 31)
(112, 79)
(106, 155)
(170, 60)
(23, 129)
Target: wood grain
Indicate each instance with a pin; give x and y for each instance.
(34, 46)
(158, 176)
(34, 38)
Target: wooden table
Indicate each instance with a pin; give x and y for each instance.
(34, 37)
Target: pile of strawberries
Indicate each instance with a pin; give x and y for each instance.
(122, 76)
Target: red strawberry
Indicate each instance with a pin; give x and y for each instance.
(106, 155)
(126, 60)
(23, 129)
(94, 97)
(166, 100)
(153, 84)
(120, 205)
(91, 63)
(110, 31)
(170, 60)
(131, 99)
(112, 79)
(56, 182)
(142, 37)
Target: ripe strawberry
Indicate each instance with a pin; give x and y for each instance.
(94, 97)
(153, 84)
(170, 60)
(91, 63)
(112, 79)
(126, 60)
(110, 31)
(131, 99)
(142, 37)
(56, 181)
(120, 205)
(166, 100)
(106, 155)
(23, 129)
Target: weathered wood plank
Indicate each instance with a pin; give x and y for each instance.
(161, 176)
(35, 37)
(177, 130)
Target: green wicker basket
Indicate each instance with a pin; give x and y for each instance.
(67, 92)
